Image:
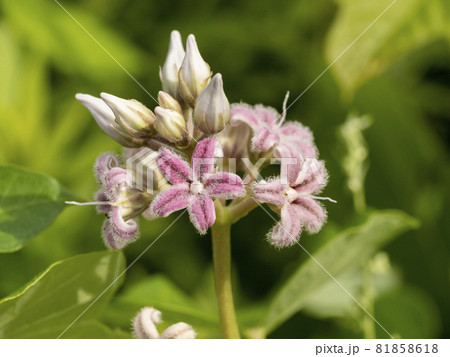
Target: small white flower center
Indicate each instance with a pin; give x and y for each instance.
(291, 194)
(196, 187)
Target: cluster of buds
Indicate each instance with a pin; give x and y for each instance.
(144, 326)
(192, 127)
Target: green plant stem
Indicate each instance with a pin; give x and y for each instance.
(221, 243)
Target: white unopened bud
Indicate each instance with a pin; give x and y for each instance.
(168, 102)
(105, 119)
(172, 64)
(179, 330)
(171, 125)
(194, 73)
(144, 323)
(212, 110)
(131, 115)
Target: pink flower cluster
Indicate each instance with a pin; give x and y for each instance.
(192, 127)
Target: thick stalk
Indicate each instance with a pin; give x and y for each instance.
(221, 243)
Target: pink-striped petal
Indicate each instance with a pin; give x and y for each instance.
(271, 191)
(264, 138)
(312, 213)
(312, 177)
(203, 158)
(115, 180)
(291, 162)
(110, 239)
(171, 200)
(286, 231)
(202, 212)
(126, 230)
(104, 163)
(173, 167)
(224, 185)
(298, 131)
(243, 113)
(266, 115)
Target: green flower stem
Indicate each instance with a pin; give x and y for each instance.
(221, 244)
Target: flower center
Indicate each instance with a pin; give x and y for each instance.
(196, 187)
(291, 194)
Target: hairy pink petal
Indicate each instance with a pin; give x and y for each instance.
(243, 113)
(224, 185)
(264, 139)
(104, 163)
(297, 131)
(125, 230)
(203, 158)
(312, 177)
(202, 212)
(291, 158)
(115, 180)
(286, 231)
(312, 213)
(110, 239)
(174, 168)
(270, 192)
(266, 115)
(171, 200)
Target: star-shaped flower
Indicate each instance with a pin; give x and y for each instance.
(297, 200)
(194, 186)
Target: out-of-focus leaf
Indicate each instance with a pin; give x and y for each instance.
(349, 248)
(94, 329)
(51, 302)
(403, 27)
(162, 294)
(408, 313)
(29, 202)
(49, 30)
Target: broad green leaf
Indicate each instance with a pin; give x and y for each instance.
(29, 203)
(94, 329)
(47, 306)
(351, 247)
(175, 306)
(408, 313)
(405, 26)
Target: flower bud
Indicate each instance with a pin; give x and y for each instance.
(144, 323)
(179, 330)
(168, 102)
(105, 119)
(171, 125)
(212, 109)
(169, 73)
(194, 73)
(131, 115)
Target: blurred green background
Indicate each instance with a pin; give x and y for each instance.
(397, 73)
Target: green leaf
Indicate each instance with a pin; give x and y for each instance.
(349, 248)
(29, 203)
(405, 26)
(94, 329)
(47, 306)
(160, 293)
(408, 313)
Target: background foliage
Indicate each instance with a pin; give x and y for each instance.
(398, 74)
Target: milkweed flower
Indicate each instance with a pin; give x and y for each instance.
(194, 186)
(119, 201)
(297, 201)
(144, 326)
